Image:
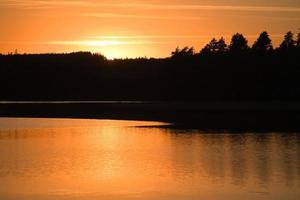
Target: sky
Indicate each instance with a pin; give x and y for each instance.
(138, 28)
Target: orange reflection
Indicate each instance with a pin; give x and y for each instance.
(92, 159)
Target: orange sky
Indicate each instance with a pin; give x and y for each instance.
(152, 28)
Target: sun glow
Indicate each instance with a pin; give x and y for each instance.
(93, 42)
(110, 46)
(152, 28)
(114, 54)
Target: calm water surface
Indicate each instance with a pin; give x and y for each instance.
(51, 159)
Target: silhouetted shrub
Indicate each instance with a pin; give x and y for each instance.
(185, 52)
(215, 46)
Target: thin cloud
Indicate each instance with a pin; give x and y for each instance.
(82, 3)
(42, 2)
(160, 17)
(145, 37)
(114, 15)
(214, 7)
(130, 40)
(101, 42)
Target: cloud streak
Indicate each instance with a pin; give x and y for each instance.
(145, 6)
(42, 2)
(132, 16)
(218, 8)
(101, 43)
(128, 40)
(173, 17)
(166, 37)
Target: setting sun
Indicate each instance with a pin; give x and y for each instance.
(137, 28)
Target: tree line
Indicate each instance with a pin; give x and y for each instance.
(239, 44)
(219, 72)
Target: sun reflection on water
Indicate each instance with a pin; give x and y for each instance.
(117, 160)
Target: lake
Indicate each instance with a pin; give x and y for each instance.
(51, 159)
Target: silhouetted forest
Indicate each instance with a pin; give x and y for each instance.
(219, 72)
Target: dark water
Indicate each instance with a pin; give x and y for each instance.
(101, 159)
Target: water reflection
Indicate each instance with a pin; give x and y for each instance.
(116, 160)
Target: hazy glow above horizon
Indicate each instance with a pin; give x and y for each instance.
(151, 28)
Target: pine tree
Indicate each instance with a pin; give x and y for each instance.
(238, 43)
(288, 41)
(263, 43)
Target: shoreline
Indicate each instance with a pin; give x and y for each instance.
(235, 117)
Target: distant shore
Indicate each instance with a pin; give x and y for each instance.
(227, 116)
